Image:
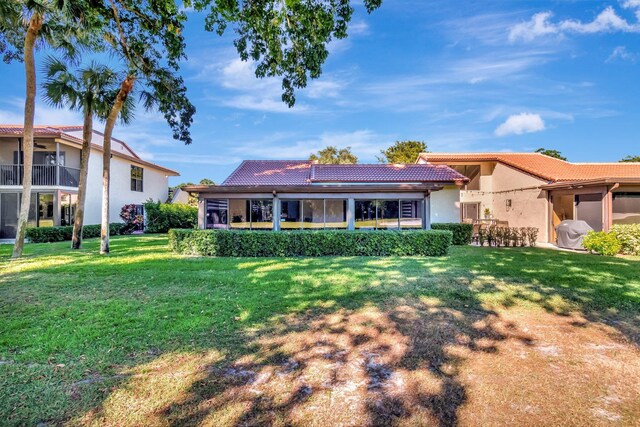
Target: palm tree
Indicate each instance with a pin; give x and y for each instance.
(56, 23)
(90, 90)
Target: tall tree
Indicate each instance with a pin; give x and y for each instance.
(403, 152)
(284, 38)
(22, 25)
(551, 153)
(147, 38)
(89, 90)
(630, 159)
(334, 156)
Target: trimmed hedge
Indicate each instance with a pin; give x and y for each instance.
(461, 232)
(62, 233)
(242, 243)
(163, 216)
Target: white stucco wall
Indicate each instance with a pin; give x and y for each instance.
(445, 205)
(155, 185)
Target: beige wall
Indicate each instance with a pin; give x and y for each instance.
(499, 183)
(445, 205)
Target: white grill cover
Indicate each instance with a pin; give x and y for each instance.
(571, 232)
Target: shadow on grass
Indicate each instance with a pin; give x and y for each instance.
(370, 341)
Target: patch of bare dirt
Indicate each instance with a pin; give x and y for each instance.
(413, 364)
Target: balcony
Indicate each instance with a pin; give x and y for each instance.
(50, 175)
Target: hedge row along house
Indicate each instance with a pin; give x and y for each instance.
(518, 189)
(56, 169)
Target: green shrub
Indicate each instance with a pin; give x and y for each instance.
(602, 243)
(629, 237)
(241, 243)
(508, 236)
(163, 216)
(62, 233)
(461, 232)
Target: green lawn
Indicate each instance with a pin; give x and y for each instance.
(147, 336)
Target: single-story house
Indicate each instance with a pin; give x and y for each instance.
(534, 190)
(56, 171)
(299, 194)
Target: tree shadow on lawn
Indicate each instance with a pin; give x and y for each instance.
(369, 341)
(389, 346)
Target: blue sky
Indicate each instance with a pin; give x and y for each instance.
(473, 76)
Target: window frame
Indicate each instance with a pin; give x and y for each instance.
(135, 180)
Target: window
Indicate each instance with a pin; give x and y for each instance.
(216, 213)
(470, 211)
(626, 208)
(388, 214)
(313, 214)
(410, 214)
(250, 214)
(335, 214)
(136, 178)
(262, 214)
(291, 214)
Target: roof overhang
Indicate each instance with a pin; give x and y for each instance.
(590, 183)
(316, 188)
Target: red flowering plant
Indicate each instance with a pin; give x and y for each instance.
(132, 219)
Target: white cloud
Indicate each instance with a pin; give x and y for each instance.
(518, 124)
(13, 113)
(607, 21)
(621, 53)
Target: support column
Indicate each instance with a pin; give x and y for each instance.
(202, 203)
(351, 214)
(277, 211)
(426, 212)
(57, 163)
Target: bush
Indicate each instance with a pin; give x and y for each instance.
(163, 216)
(508, 236)
(238, 243)
(602, 243)
(629, 237)
(461, 232)
(62, 233)
(132, 220)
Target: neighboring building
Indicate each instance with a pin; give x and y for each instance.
(296, 194)
(56, 169)
(180, 196)
(534, 190)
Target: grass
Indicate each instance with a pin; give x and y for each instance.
(489, 336)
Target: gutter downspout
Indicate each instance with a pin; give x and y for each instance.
(608, 209)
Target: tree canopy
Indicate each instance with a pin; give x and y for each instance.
(630, 159)
(551, 153)
(334, 156)
(284, 38)
(403, 152)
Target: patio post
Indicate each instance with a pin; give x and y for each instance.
(351, 212)
(426, 212)
(276, 212)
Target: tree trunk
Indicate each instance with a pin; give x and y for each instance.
(78, 221)
(125, 89)
(35, 23)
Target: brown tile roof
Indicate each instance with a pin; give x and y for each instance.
(304, 172)
(545, 167)
(384, 173)
(270, 172)
(60, 132)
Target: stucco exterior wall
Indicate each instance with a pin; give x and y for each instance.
(155, 185)
(445, 205)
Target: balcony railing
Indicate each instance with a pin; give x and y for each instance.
(42, 175)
